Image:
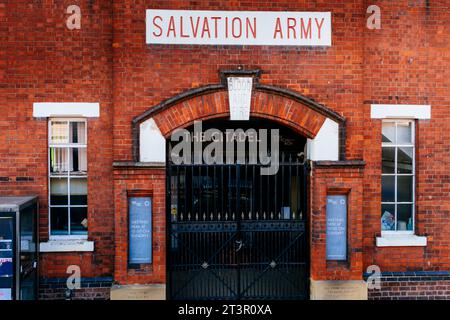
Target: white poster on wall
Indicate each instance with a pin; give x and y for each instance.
(238, 27)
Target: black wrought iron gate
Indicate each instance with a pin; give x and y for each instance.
(237, 234)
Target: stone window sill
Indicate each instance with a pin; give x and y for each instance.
(403, 240)
(67, 245)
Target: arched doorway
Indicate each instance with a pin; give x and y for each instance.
(236, 231)
(305, 120)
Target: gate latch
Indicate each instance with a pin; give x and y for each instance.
(239, 245)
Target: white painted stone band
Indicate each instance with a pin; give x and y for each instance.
(66, 246)
(396, 111)
(66, 109)
(401, 241)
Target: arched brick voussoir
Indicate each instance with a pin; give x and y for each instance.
(289, 112)
(284, 110)
(183, 114)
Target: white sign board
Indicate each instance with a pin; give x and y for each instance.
(238, 28)
(240, 96)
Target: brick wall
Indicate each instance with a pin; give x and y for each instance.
(145, 75)
(90, 289)
(331, 179)
(41, 60)
(152, 182)
(413, 286)
(404, 63)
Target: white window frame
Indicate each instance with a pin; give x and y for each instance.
(395, 174)
(68, 176)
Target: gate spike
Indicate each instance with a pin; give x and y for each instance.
(233, 217)
(279, 215)
(242, 215)
(250, 215)
(218, 216)
(189, 216)
(226, 216)
(257, 215)
(271, 215)
(264, 216)
(293, 215)
(204, 216)
(211, 216)
(196, 216)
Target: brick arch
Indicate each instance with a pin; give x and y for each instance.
(289, 108)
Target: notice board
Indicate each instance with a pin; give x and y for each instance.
(140, 230)
(336, 227)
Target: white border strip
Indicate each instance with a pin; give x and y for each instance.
(66, 246)
(65, 109)
(407, 111)
(401, 241)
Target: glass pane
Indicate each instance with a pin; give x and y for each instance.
(58, 191)
(59, 132)
(405, 160)
(404, 217)
(387, 217)
(387, 189)
(6, 250)
(27, 235)
(404, 189)
(59, 161)
(388, 160)
(78, 191)
(79, 222)
(388, 132)
(404, 133)
(77, 132)
(59, 221)
(78, 161)
(28, 253)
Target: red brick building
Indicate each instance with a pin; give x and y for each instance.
(87, 111)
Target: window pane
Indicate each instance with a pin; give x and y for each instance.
(404, 133)
(405, 160)
(404, 217)
(78, 191)
(78, 223)
(59, 132)
(59, 161)
(58, 191)
(387, 189)
(77, 132)
(78, 161)
(59, 221)
(387, 217)
(404, 189)
(388, 160)
(388, 132)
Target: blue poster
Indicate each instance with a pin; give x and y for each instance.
(336, 227)
(140, 230)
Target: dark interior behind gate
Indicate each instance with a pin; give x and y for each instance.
(237, 234)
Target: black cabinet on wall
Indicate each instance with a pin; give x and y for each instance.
(19, 242)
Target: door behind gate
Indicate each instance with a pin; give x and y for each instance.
(237, 234)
